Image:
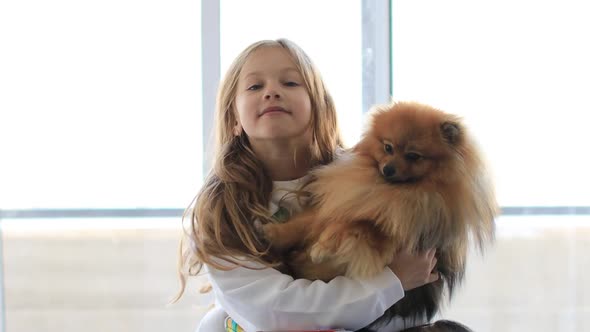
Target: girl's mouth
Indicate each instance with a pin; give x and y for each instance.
(273, 110)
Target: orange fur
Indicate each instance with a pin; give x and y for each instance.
(431, 191)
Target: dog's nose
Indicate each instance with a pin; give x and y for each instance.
(388, 171)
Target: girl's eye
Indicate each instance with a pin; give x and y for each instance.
(292, 84)
(388, 148)
(254, 87)
(411, 156)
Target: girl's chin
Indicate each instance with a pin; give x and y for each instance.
(282, 138)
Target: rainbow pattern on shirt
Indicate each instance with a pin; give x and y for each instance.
(232, 326)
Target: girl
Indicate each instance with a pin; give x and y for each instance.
(275, 121)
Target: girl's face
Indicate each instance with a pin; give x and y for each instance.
(272, 102)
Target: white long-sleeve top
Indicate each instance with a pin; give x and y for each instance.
(268, 300)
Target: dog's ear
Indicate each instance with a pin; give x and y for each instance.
(365, 145)
(451, 131)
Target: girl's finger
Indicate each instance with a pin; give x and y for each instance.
(433, 263)
(430, 253)
(434, 276)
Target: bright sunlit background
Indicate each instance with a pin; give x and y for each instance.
(100, 103)
(518, 71)
(101, 110)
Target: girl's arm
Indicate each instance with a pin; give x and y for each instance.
(269, 300)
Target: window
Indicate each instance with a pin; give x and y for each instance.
(100, 104)
(100, 112)
(517, 71)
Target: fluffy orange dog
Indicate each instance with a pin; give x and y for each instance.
(415, 180)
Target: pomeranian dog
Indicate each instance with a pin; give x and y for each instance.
(416, 180)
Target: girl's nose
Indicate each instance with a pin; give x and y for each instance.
(272, 93)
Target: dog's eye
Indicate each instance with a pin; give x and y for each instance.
(388, 148)
(411, 156)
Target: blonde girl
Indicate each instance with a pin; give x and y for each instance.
(275, 120)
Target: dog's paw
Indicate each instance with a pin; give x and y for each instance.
(319, 253)
(265, 231)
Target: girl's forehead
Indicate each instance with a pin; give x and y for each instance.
(267, 60)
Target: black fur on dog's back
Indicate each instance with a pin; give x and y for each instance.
(440, 326)
(423, 299)
(422, 302)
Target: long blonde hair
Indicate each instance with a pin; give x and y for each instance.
(237, 190)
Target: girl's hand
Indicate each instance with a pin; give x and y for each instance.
(415, 270)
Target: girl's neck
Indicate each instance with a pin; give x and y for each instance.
(284, 160)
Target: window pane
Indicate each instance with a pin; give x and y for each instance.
(100, 108)
(334, 43)
(518, 72)
(100, 103)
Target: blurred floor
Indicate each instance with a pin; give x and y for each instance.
(118, 275)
